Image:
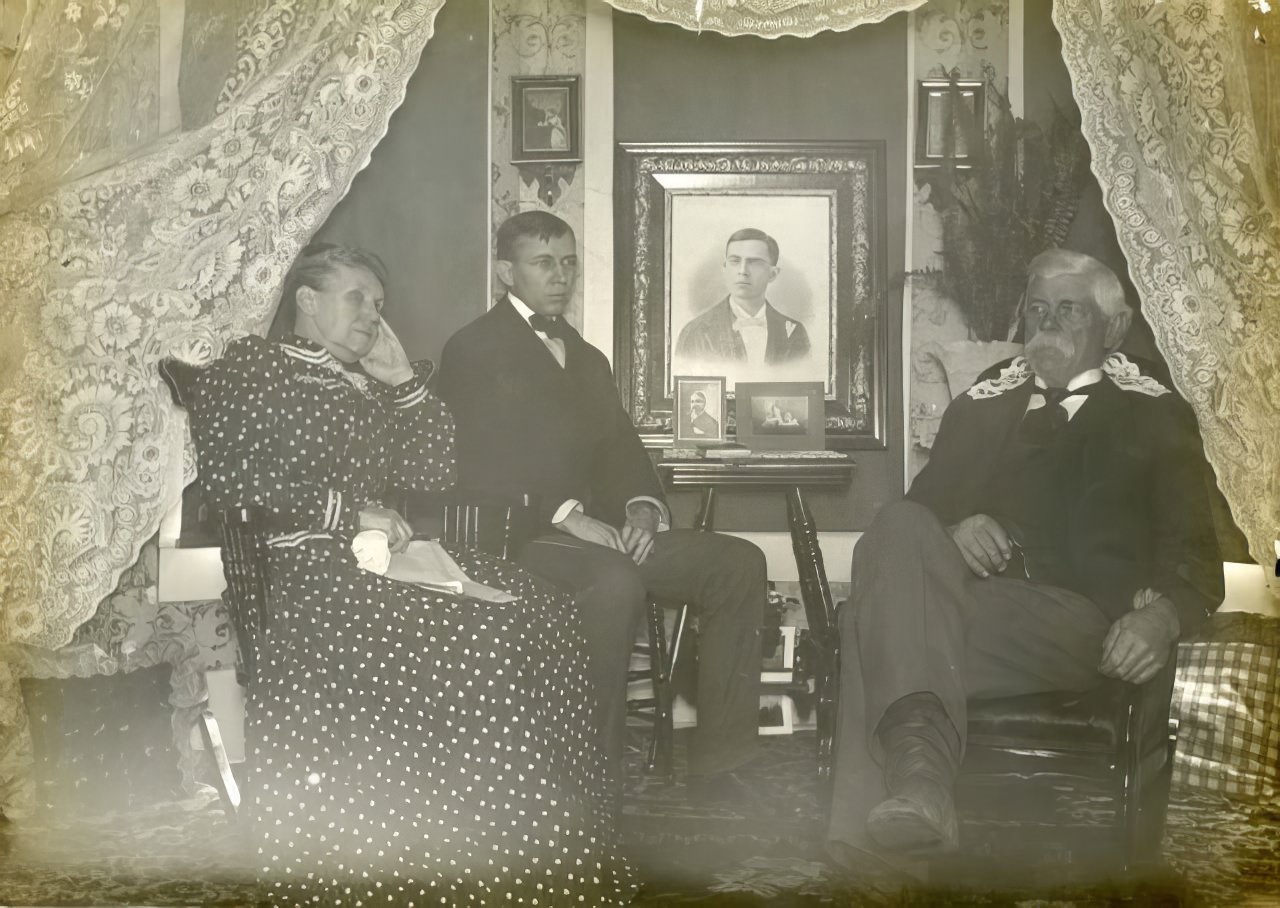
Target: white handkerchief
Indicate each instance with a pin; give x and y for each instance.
(372, 550)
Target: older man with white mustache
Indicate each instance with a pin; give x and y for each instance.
(1060, 534)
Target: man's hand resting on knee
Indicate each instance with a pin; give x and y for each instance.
(983, 543)
(1139, 643)
(642, 524)
(588, 529)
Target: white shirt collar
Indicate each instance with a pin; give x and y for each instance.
(1088, 377)
(739, 312)
(520, 307)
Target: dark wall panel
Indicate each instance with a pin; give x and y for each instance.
(422, 203)
(672, 85)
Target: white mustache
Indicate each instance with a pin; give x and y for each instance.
(1043, 343)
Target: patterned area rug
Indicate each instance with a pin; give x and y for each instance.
(189, 853)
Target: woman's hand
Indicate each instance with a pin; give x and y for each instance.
(390, 522)
(387, 361)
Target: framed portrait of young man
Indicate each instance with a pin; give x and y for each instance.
(762, 262)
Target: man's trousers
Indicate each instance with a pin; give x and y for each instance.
(920, 621)
(721, 577)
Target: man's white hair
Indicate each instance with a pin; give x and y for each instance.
(1103, 284)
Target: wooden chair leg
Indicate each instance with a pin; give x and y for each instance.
(667, 761)
(660, 742)
(819, 607)
(1146, 833)
(225, 780)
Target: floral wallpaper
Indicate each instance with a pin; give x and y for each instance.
(970, 38)
(536, 38)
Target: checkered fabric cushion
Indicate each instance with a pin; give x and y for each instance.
(1227, 702)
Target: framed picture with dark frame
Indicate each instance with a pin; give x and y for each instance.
(950, 118)
(762, 262)
(546, 119)
(787, 416)
(700, 411)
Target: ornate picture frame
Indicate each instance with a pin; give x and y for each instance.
(820, 208)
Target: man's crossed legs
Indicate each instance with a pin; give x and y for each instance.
(923, 635)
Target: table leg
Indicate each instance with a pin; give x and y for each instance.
(819, 609)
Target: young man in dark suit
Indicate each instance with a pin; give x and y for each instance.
(745, 327)
(537, 413)
(1059, 535)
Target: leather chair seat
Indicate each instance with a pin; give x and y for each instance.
(1052, 721)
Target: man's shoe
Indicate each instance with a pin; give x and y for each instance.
(921, 818)
(921, 757)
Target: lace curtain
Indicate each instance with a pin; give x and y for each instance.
(133, 228)
(766, 18)
(1180, 106)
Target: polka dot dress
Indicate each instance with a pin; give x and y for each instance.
(407, 748)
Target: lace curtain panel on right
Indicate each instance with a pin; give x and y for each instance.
(1179, 103)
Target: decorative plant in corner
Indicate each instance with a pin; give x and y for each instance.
(1017, 198)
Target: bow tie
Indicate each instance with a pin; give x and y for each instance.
(549, 325)
(757, 322)
(1055, 396)
(1043, 425)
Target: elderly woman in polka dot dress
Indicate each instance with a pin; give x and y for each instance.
(408, 747)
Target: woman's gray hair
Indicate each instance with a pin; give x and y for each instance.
(1103, 284)
(313, 267)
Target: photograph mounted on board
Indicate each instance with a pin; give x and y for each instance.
(762, 262)
(785, 416)
(546, 115)
(700, 410)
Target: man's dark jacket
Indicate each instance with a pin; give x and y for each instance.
(705, 423)
(711, 336)
(1132, 471)
(527, 426)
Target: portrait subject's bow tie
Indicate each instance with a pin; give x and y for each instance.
(758, 322)
(548, 325)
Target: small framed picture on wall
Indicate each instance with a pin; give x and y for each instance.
(699, 410)
(546, 115)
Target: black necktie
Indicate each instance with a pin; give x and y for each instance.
(1043, 424)
(548, 325)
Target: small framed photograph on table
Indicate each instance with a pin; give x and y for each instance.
(699, 405)
(778, 415)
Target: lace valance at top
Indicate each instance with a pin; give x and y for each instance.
(766, 18)
(129, 233)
